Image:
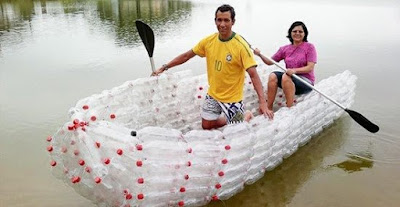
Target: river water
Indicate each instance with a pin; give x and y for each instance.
(53, 53)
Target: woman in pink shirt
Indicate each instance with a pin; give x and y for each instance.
(300, 58)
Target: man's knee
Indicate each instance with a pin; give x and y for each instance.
(213, 124)
(205, 124)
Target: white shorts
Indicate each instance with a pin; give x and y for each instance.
(212, 109)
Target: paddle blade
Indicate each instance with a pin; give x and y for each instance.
(364, 122)
(147, 36)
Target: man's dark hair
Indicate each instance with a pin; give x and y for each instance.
(295, 24)
(225, 8)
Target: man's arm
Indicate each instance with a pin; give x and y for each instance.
(182, 58)
(255, 79)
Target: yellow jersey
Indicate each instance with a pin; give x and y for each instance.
(227, 62)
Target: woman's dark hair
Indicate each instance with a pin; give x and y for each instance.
(225, 8)
(295, 24)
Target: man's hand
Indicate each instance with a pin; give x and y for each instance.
(255, 79)
(264, 110)
(158, 72)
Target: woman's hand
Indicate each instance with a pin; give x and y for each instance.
(257, 52)
(290, 72)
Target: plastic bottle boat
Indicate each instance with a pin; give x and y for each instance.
(141, 144)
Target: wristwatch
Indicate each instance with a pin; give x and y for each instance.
(165, 67)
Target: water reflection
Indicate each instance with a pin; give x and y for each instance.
(356, 162)
(157, 13)
(279, 186)
(113, 17)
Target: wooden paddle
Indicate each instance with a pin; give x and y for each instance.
(147, 36)
(360, 119)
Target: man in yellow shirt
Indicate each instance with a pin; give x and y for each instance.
(228, 58)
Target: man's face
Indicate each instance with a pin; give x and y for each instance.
(224, 23)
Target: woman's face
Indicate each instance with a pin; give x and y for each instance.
(297, 34)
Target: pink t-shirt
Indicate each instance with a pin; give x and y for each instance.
(297, 57)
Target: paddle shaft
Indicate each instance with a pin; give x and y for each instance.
(153, 68)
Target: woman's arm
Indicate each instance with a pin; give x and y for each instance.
(306, 69)
(263, 58)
